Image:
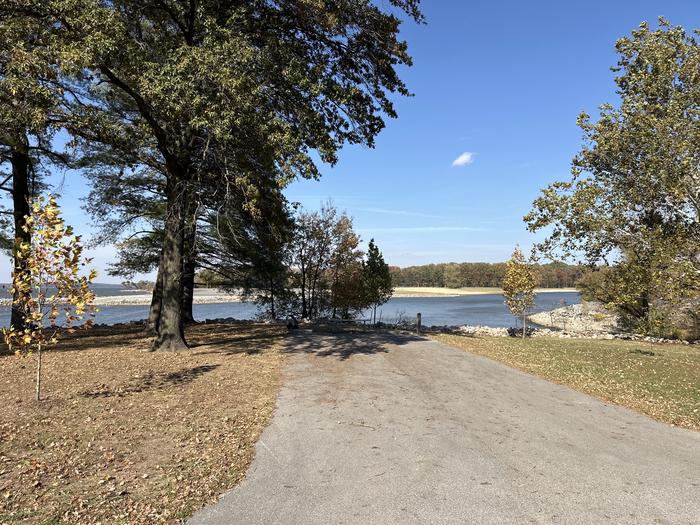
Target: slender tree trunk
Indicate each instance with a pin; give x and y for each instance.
(272, 299)
(312, 301)
(170, 335)
(156, 301)
(304, 312)
(188, 274)
(38, 374)
(334, 289)
(524, 325)
(21, 165)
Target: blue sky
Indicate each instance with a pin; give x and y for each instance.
(499, 84)
(504, 83)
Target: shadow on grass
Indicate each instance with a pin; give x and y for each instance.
(230, 340)
(153, 381)
(344, 344)
(124, 336)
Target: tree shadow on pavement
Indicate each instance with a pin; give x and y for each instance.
(345, 344)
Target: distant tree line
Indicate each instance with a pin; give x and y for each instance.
(462, 275)
(144, 285)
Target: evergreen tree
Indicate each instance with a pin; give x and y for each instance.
(376, 278)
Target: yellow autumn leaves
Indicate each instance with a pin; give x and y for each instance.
(52, 294)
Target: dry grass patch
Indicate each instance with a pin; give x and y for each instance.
(662, 381)
(126, 436)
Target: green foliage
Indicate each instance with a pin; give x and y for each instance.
(220, 98)
(223, 101)
(634, 195)
(139, 285)
(376, 278)
(244, 251)
(29, 96)
(481, 275)
(249, 86)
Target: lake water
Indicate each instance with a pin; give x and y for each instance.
(486, 310)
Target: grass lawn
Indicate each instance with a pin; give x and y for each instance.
(126, 436)
(665, 385)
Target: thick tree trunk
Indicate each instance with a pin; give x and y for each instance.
(189, 266)
(170, 335)
(21, 165)
(156, 301)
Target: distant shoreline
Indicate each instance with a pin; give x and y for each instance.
(201, 296)
(214, 296)
(417, 291)
(143, 298)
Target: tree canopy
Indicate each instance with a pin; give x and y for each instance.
(634, 196)
(219, 98)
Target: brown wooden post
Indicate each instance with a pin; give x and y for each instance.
(418, 321)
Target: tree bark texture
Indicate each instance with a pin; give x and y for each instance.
(189, 266)
(170, 333)
(156, 301)
(21, 166)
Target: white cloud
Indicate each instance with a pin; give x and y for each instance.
(406, 213)
(464, 159)
(423, 229)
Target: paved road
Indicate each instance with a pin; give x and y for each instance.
(394, 429)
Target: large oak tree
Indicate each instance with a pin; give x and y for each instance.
(224, 90)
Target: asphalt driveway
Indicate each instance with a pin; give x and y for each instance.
(384, 428)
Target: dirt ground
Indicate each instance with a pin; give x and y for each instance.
(126, 436)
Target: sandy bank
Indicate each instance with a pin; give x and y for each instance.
(141, 298)
(201, 296)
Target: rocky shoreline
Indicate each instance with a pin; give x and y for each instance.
(578, 327)
(587, 317)
(488, 331)
(577, 321)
